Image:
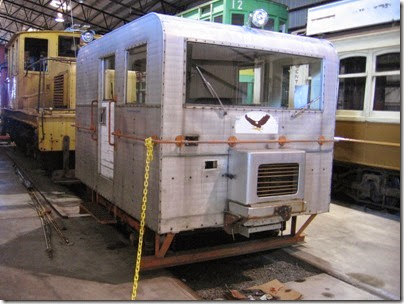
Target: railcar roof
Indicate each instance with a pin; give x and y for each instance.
(239, 36)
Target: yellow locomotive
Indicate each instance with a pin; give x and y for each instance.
(40, 111)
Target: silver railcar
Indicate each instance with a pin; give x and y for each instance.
(243, 121)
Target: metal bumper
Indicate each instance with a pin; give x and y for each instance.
(244, 219)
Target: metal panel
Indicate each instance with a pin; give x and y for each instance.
(184, 192)
(244, 165)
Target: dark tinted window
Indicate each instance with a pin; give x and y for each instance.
(34, 50)
(68, 46)
(387, 93)
(270, 26)
(388, 62)
(351, 93)
(237, 19)
(218, 19)
(352, 65)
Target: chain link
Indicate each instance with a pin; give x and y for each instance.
(149, 157)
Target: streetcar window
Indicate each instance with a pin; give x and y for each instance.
(237, 19)
(270, 26)
(352, 83)
(109, 77)
(68, 46)
(239, 76)
(34, 50)
(282, 26)
(387, 83)
(218, 19)
(136, 75)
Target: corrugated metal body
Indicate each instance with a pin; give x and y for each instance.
(184, 194)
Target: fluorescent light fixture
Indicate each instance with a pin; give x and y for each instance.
(59, 18)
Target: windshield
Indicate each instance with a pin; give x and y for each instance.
(237, 76)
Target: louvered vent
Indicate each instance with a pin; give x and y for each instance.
(277, 179)
(59, 91)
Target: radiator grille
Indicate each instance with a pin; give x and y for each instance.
(59, 91)
(277, 179)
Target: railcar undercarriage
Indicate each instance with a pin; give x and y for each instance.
(167, 250)
(371, 186)
(59, 164)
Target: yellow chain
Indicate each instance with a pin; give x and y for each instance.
(149, 157)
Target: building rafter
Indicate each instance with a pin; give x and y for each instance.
(102, 15)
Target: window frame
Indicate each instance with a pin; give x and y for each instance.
(138, 44)
(384, 116)
(75, 38)
(355, 114)
(249, 106)
(368, 114)
(46, 70)
(102, 71)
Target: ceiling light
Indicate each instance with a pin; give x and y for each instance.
(59, 18)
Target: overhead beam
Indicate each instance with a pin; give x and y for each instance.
(23, 22)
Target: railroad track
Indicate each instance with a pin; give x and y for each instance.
(212, 280)
(45, 213)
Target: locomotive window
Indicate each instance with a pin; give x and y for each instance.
(352, 83)
(387, 83)
(239, 76)
(218, 19)
(282, 26)
(34, 50)
(136, 75)
(237, 19)
(68, 46)
(109, 77)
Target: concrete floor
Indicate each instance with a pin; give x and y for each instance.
(361, 248)
(98, 266)
(323, 287)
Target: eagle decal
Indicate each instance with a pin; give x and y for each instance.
(258, 124)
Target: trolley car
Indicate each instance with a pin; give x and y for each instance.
(367, 160)
(221, 161)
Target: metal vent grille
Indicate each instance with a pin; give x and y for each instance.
(59, 91)
(277, 179)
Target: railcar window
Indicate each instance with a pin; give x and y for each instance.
(68, 46)
(237, 19)
(34, 50)
(282, 26)
(109, 77)
(136, 75)
(387, 83)
(352, 83)
(241, 76)
(218, 19)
